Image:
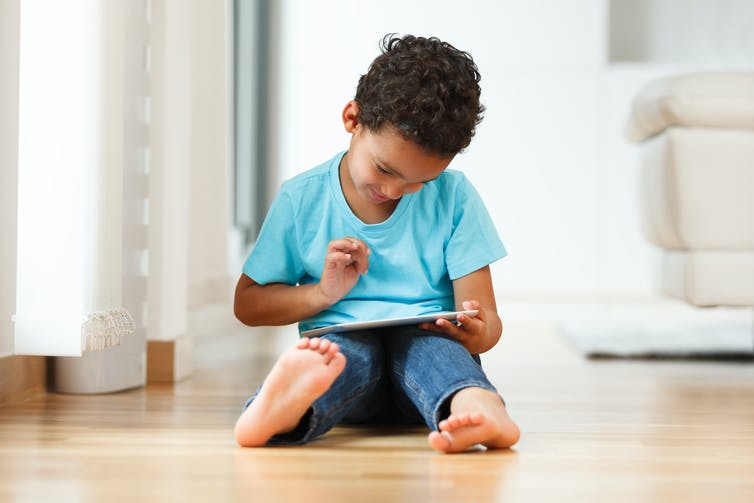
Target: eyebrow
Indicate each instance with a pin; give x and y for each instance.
(388, 167)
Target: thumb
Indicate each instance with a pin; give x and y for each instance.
(470, 305)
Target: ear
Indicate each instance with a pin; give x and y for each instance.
(351, 116)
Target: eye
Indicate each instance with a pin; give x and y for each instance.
(381, 170)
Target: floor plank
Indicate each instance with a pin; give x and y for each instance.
(618, 430)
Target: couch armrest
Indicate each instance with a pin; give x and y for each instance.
(712, 99)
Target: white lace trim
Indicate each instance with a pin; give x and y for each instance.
(104, 329)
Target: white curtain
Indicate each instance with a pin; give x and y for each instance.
(74, 114)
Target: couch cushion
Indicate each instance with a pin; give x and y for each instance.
(710, 278)
(698, 189)
(713, 99)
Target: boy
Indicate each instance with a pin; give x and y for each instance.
(383, 230)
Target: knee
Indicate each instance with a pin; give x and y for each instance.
(428, 349)
(364, 354)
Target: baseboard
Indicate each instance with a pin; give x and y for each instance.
(169, 361)
(22, 376)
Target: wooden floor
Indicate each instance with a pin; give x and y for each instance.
(592, 431)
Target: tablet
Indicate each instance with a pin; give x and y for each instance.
(387, 322)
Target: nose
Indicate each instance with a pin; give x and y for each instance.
(393, 192)
(397, 191)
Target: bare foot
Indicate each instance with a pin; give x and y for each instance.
(300, 376)
(477, 416)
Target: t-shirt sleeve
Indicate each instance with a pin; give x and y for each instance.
(474, 242)
(275, 257)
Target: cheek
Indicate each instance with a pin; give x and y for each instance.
(362, 176)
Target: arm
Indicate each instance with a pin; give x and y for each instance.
(481, 333)
(282, 304)
(275, 303)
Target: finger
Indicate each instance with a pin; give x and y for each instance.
(470, 305)
(443, 323)
(343, 251)
(360, 252)
(341, 245)
(338, 258)
(360, 245)
(348, 245)
(431, 327)
(360, 260)
(471, 325)
(445, 327)
(466, 320)
(457, 324)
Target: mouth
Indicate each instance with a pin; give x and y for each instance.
(378, 197)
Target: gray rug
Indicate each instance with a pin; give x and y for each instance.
(703, 334)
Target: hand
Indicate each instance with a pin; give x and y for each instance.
(346, 260)
(471, 332)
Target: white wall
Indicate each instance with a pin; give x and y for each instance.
(210, 151)
(190, 152)
(9, 38)
(691, 32)
(549, 158)
(534, 158)
(170, 140)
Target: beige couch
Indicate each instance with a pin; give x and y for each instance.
(697, 137)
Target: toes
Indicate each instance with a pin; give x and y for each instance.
(455, 421)
(463, 420)
(315, 344)
(337, 362)
(440, 441)
(332, 350)
(449, 424)
(452, 422)
(476, 418)
(324, 346)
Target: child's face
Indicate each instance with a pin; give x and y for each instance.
(383, 166)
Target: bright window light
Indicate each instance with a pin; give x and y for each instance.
(59, 153)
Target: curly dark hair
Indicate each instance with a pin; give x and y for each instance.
(424, 88)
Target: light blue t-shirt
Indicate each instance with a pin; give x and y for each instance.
(435, 235)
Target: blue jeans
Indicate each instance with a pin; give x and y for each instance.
(401, 375)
